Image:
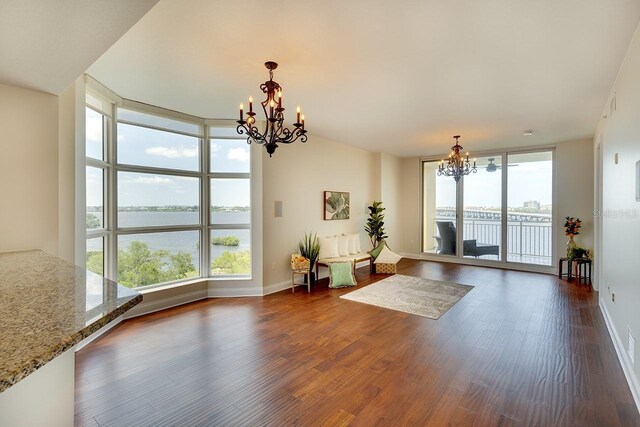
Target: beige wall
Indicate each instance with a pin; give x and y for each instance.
(297, 175)
(409, 200)
(390, 196)
(574, 191)
(28, 170)
(620, 133)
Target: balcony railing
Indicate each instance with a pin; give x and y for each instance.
(529, 236)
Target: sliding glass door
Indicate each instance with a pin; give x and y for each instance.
(530, 207)
(504, 210)
(440, 212)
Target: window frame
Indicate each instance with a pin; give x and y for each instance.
(226, 175)
(107, 170)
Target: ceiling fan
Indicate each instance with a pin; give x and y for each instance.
(492, 167)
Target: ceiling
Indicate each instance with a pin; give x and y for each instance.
(398, 77)
(46, 44)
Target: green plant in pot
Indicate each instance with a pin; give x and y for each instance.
(375, 224)
(309, 247)
(579, 253)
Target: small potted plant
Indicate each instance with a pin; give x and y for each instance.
(309, 248)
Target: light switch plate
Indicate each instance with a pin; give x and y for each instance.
(277, 208)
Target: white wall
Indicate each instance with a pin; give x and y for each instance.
(620, 133)
(28, 170)
(297, 175)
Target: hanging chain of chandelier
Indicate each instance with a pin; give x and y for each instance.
(456, 165)
(274, 132)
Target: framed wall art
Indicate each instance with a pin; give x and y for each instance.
(336, 205)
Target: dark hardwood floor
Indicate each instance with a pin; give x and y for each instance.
(519, 349)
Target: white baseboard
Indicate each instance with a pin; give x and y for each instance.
(627, 366)
(88, 340)
(277, 287)
(164, 303)
(234, 292)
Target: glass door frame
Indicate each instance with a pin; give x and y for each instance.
(502, 262)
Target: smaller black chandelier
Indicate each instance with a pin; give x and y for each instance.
(457, 165)
(274, 132)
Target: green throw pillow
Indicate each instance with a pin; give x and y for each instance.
(341, 275)
(376, 251)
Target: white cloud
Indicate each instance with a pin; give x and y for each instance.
(151, 180)
(94, 128)
(214, 149)
(172, 152)
(240, 154)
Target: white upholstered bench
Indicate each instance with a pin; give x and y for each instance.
(356, 258)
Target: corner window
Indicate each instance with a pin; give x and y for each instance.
(168, 198)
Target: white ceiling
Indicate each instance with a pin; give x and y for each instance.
(46, 44)
(399, 77)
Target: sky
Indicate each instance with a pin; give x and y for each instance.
(529, 180)
(147, 147)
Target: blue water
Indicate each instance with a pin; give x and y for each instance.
(179, 241)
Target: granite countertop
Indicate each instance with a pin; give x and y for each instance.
(47, 306)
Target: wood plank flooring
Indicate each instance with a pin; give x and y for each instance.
(519, 349)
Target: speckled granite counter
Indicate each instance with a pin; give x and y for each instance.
(47, 306)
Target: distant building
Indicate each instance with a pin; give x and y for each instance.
(533, 204)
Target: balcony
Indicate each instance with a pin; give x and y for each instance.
(529, 236)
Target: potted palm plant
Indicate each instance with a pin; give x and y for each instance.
(309, 248)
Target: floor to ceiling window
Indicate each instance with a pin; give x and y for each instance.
(504, 210)
(163, 206)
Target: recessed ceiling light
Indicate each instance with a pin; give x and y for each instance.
(527, 133)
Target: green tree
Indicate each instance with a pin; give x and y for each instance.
(225, 241)
(95, 262)
(232, 263)
(92, 221)
(140, 266)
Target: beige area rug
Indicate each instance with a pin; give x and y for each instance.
(414, 295)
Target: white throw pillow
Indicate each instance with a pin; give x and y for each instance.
(387, 257)
(354, 243)
(343, 245)
(328, 247)
(357, 247)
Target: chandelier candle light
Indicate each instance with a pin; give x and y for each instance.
(457, 165)
(274, 132)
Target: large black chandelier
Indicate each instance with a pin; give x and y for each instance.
(457, 165)
(274, 132)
